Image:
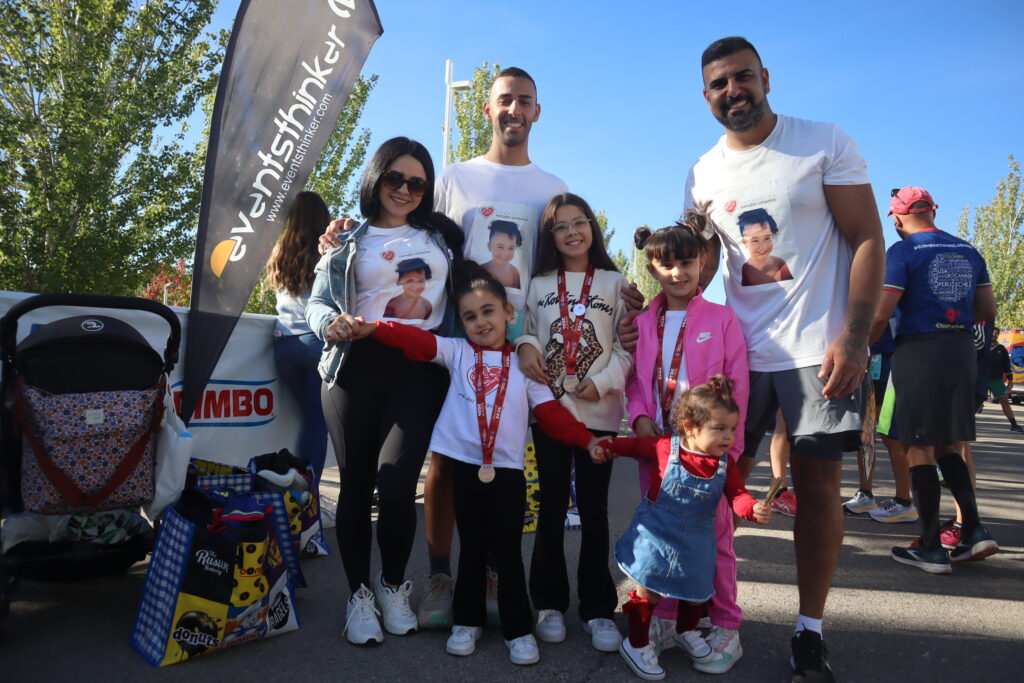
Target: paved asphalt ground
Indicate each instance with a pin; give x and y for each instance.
(885, 622)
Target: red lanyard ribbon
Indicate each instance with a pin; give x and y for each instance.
(571, 333)
(667, 389)
(488, 434)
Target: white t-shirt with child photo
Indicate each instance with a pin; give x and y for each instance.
(498, 207)
(778, 187)
(457, 431)
(400, 275)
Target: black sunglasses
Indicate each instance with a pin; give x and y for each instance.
(394, 180)
(895, 191)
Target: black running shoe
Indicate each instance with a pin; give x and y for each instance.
(810, 659)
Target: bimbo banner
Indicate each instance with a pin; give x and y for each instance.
(289, 68)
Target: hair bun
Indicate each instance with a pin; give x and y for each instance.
(640, 237)
(721, 385)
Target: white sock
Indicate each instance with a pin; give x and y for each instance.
(808, 623)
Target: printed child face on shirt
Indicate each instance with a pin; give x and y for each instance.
(758, 229)
(413, 283)
(504, 239)
(410, 304)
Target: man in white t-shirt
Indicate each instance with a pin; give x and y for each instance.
(807, 333)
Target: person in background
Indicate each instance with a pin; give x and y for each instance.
(296, 347)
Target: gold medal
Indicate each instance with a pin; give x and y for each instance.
(486, 473)
(570, 383)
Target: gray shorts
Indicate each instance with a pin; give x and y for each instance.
(817, 427)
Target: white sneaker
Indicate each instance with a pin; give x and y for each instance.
(693, 642)
(891, 512)
(492, 597)
(604, 634)
(860, 503)
(523, 650)
(436, 606)
(462, 641)
(725, 643)
(661, 633)
(394, 606)
(550, 626)
(642, 661)
(361, 625)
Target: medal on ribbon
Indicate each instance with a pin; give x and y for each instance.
(572, 332)
(489, 432)
(667, 386)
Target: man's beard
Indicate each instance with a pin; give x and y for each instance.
(743, 121)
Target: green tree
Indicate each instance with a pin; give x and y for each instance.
(637, 272)
(334, 176)
(98, 186)
(996, 233)
(473, 128)
(607, 233)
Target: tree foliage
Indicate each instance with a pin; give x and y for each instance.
(334, 176)
(98, 186)
(996, 233)
(474, 130)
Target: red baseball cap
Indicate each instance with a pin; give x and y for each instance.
(903, 199)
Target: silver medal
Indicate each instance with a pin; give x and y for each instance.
(570, 383)
(578, 310)
(486, 473)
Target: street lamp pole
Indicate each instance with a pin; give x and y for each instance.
(450, 87)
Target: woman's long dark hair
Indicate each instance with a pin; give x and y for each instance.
(291, 263)
(548, 256)
(369, 186)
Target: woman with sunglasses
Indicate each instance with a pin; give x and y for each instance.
(379, 406)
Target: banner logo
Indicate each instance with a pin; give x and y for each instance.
(234, 403)
(229, 250)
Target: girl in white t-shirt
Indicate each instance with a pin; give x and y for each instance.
(572, 315)
(482, 430)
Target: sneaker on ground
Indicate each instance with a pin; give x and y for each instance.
(1017, 429)
(436, 607)
(892, 512)
(398, 617)
(550, 626)
(642, 660)
(931, 561)
(604, 634)
(462, 641)
(860, 503)
(661, 633)
(361, 625)
(810, 658)
(693, 642)
(523, 650)
(977, 545)
(704, 624)
(949, 534)
(785, 503)
(492, 597)
(726, 651)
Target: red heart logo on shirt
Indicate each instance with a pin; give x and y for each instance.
(487, 211)
(388, 255)
(491, 377)
(730, 205)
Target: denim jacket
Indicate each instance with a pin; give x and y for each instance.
(334, 292)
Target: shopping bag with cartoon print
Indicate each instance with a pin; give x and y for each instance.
(297, 482)
(216, 579)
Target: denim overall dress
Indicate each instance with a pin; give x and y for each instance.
(669, 547)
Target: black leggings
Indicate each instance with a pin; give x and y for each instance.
(380, 415)
(490, 516)
(549, 579)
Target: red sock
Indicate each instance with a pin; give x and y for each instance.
(688, 616)
(638, 610)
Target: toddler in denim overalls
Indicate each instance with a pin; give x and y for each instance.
(669, 547)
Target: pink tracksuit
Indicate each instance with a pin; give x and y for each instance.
(713, 344)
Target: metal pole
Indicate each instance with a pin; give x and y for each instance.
(167, 286)
(445, 151)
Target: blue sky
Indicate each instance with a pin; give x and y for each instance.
(931, 91)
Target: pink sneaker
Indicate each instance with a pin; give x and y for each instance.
(949, 534)
(785, 503)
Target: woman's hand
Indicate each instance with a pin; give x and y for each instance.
(532, 363)
(341, 328)
(644, 426)
(588, 392)
(329, 240)
(762, 513)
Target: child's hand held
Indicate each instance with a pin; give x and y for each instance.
(762, 513)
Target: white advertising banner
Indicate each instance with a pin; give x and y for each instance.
(245, 409)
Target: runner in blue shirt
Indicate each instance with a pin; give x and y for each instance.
(941, 286)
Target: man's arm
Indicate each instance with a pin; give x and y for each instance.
(846, 360)
(985, 308)
(886, 307)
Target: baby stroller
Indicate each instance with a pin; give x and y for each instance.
(54, 459)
